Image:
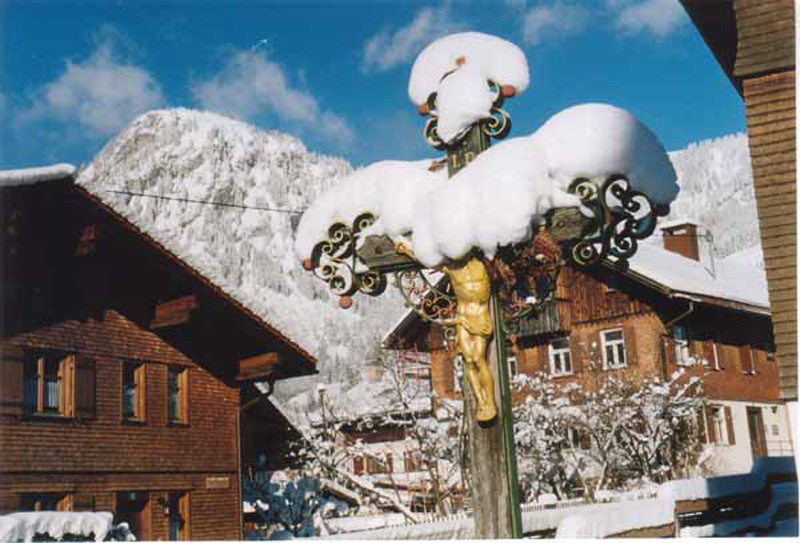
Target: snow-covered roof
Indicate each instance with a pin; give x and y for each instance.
(731, 281)
(29, 176)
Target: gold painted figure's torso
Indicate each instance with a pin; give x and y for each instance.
(472, 288)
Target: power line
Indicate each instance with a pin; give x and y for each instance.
(205, 202)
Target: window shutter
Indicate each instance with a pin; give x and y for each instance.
(85, 385)
(576, 352)
(712, 433)
(358, 465)
(11, 375)
(82, 501)
(9, 502)
(708, 354)
(669, 352)
(631, 353)
(543, 358)
(729, 424)
(701, 425)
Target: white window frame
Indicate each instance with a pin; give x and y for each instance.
(513, 367)
(604, 343)
(560, 351)
(682, 354)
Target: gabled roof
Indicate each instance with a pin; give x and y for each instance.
(65, 173)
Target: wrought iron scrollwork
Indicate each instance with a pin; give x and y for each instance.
(622, 217)
(525, 277)
(335, 261)
(432, 302)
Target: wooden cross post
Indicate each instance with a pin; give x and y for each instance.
(492, 455)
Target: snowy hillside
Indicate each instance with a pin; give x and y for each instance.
(247, 252)
(716, 183)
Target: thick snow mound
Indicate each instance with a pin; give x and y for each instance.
(463, 98)
(23, 526)
(457, 68)
(650, 513)
(390, 190)
(496, 58)
(494, 201)
(596, 140)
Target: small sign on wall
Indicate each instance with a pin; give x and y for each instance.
(218, 483)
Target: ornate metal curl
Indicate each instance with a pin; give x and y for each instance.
(335, 261)
(621, 217)
(433, 303)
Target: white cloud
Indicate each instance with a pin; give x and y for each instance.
(100, 94)
(656, 17)
(554, 21)
(249, 85)
(388, 49)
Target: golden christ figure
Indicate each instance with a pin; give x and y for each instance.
(473, 322)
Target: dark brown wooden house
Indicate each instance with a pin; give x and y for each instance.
(125, 374)
(754, 43)
(668, 311)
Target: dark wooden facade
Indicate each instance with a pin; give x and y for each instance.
(754, 42)
(119, 387)
(736, 345)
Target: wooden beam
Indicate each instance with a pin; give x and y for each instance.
(174, 312)
(257, 367)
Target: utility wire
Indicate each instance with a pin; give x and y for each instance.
(206, 202)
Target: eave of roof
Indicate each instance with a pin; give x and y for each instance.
(197, 275)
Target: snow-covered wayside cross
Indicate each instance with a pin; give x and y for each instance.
(499, 222)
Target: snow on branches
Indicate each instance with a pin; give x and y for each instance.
(611, 434)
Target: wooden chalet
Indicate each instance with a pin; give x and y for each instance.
(668, 311)
(126, 375)
(754, 43)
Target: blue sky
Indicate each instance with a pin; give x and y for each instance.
(335, 73)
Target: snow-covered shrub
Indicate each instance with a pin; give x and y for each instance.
(292, 504)
(610, 434)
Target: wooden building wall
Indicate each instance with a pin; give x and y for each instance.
(105, 454)
(765, 62)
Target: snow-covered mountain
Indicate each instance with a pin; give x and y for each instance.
(249, 252)
(716, 183)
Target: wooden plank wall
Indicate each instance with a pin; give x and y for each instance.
(765, 62)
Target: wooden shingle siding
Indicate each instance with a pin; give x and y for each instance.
(771, 127)
(765, 36)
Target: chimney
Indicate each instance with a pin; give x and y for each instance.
(681, 237)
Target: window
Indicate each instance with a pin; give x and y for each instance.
(44, 502)
(133, 391)
(560, 362)
(681, 337)
(46, 384)
(613, 349)
(177, 393)
(611, 284)
(719, 425)
(178, 516)
(513, 369)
